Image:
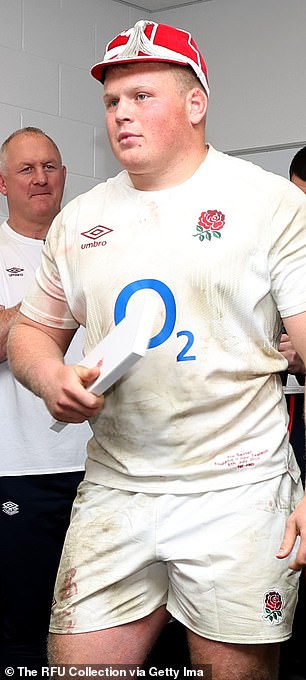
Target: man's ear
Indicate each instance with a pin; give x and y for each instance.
(197, 102)
(3, 189)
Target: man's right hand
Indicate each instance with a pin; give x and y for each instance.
(65, 392)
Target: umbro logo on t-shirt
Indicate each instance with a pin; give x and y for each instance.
(10, 508)
(96, 232)
(94, 235)
(15, 271)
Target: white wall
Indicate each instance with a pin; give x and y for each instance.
(47, 48)
(256, 56)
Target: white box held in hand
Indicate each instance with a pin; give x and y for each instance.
(121, 348)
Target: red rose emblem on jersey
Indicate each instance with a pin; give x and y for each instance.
(209, 224)
(273, 606)
(212, 219)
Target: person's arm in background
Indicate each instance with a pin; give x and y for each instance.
(7, 318)
(295, 364)
(42, 370)
(296, 524)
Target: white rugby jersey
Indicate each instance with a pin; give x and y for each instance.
(225, 254)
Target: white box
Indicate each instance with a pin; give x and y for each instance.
(120, 349)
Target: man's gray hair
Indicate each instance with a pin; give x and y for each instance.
(24, 131)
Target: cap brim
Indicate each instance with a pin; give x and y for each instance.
(98, 70)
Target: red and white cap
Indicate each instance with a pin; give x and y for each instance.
(148, 41)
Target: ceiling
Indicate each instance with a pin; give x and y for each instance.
(156, 5)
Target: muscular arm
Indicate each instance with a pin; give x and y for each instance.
(7, 318)
(296, 524)
(36, 356)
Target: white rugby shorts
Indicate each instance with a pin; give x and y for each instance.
(210, 558)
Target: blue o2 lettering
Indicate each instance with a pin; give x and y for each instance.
(170, 313)
(182, 355)
(167, 298)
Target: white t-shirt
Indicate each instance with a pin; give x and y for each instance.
(225, 253)
(28, 446)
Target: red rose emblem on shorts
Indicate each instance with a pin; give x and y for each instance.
(273, 601)
(273, 606)
(209, 224)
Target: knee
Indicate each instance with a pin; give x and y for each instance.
(52, 650)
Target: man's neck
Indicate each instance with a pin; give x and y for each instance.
(180, 173)
(30, 230)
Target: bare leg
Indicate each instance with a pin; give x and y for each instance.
(238, 662)
(126, 644)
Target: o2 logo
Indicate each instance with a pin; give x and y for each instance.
(170, 314)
